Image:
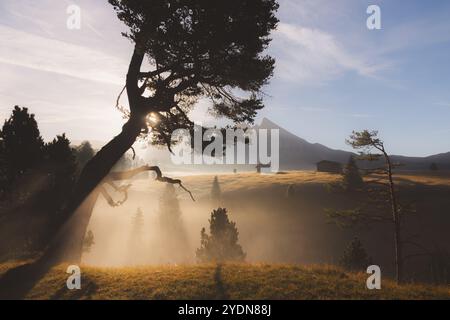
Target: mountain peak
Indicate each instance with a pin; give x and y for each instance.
(268, 124)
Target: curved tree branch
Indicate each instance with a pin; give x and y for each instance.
(124, 175)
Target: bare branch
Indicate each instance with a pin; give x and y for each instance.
(121, 189)
(161, 178)
(124, 175)
(118, 106)
(120, 95)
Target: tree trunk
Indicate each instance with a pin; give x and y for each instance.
(397, 225)
(67, 244)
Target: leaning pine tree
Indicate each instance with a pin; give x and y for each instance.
(382, 203)
(196, 49)
(222, 243)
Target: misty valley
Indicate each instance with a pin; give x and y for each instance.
(210, 151)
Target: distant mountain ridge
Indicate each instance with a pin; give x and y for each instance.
(297, 153)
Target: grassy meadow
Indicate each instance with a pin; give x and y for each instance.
(229, 281)
(292, 251)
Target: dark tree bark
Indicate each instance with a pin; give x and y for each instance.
(396, 220)
(67, 244)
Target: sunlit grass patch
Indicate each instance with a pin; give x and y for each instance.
(230, 281)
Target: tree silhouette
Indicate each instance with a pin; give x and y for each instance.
(355, 257)
(61, 168)
(136, 241)
(37, 189)
(367, 141)
(21, 146)
(88, 241)
(61, 161)
(216, 193)
(138, 223)
(352, 179)
(169, 208)
(197, 49)
(84, 153)
(222, 243)
(174, 242)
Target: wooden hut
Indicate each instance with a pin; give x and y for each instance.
(329, 166)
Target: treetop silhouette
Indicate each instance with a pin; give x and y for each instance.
(198, 49)
(21, 144)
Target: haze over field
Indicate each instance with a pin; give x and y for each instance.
(346, 186)
(272, 228)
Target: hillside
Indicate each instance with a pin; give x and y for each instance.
(239, 281)
(296, 153)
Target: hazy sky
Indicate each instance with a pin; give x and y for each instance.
(333, 74)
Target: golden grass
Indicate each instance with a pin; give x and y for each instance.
(200, 185)
(230, 281)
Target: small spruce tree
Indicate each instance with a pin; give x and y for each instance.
(137, 224)
(88, 241)
(174, 243)
(216, 193)
(352, 179)
(61, 167)
(355, 257)
(22, 145)
(136, 250)
(222, 243)
(84, 153)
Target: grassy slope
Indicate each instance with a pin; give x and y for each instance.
(239, 281)
(200, 185)
(234, 281)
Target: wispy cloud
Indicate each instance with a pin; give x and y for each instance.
(312, 56)
(360, 115)
(44, 54)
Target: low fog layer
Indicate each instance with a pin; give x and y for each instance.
(273, 228)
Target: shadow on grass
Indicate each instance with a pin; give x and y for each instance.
(17, 282)
(220, 287)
